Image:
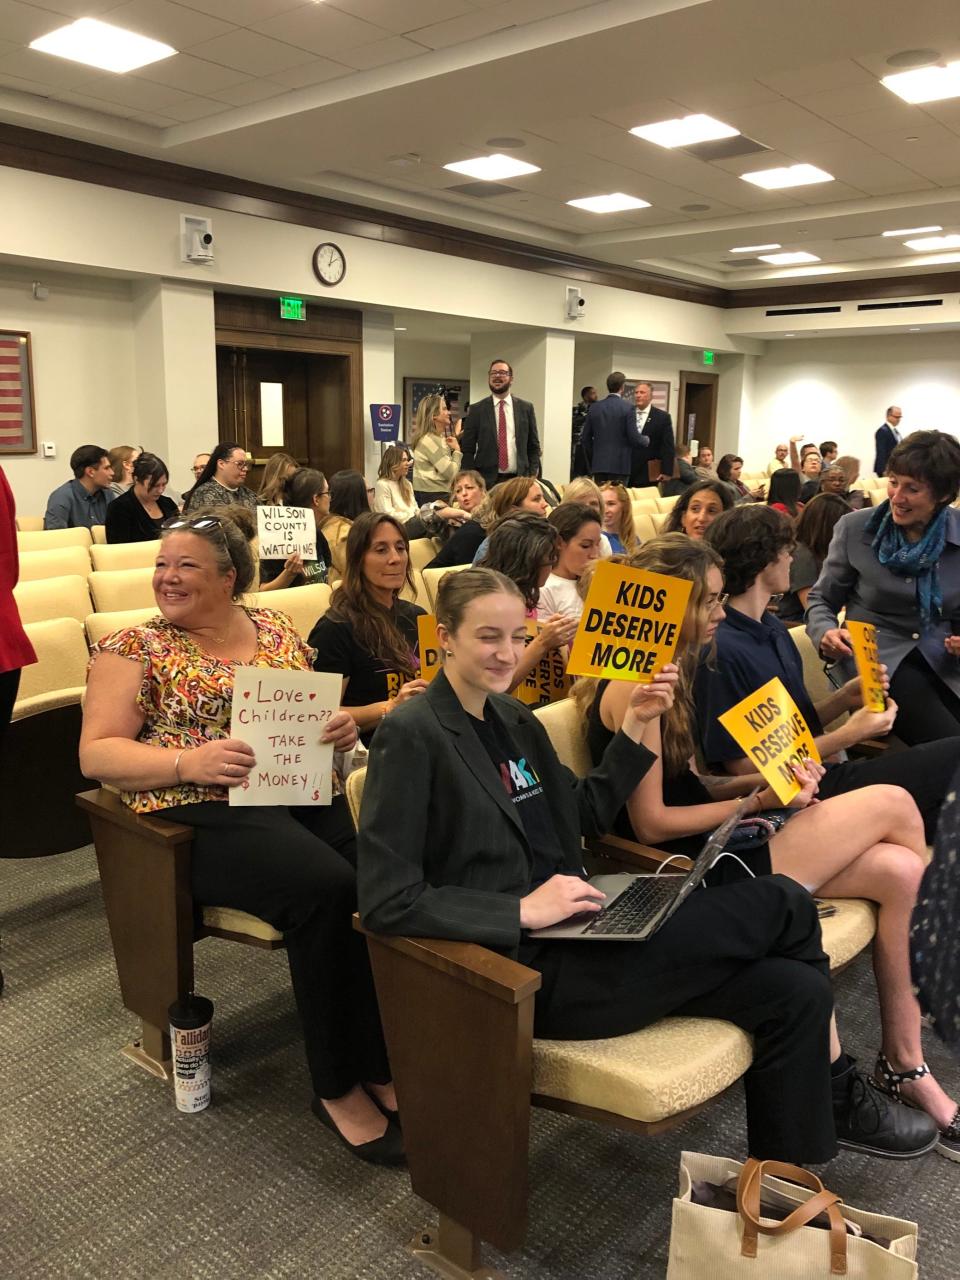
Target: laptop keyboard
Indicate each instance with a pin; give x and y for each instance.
(636, 906)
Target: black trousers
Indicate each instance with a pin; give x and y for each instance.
(926, 771)
(295, 869)
(9, 684)
(748, 952)
(607, 477)
(928, 710)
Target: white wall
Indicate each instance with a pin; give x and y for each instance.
(839, 389)
(415, 358)
(82, 341)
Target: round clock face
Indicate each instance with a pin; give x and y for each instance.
(329, 264)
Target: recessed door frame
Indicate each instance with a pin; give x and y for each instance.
(698, 379)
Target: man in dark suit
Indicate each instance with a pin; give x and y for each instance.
(887, 438)
(500, 438)
(657, 428)
(610, 433)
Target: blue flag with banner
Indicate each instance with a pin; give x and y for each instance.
(386, 422)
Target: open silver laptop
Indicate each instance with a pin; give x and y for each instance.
(638, 905)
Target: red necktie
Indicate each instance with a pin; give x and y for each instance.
(502, 440)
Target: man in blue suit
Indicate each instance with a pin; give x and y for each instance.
(887, 438)
(610, 433)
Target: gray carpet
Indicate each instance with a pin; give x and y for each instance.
(102, 1177)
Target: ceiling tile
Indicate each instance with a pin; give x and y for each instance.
(21, 85)
(870, 124)
(8, 46)
(471, 26)
(78, 8)
(241, 12)
(22, 23)
(640, 111)
(45, 69)
(821, 77)
(171, 23)
(321, 30)
(90, 103)
(250, 91)
(381, 52)
(717, 100)
(403, 17)
(192, 75)
(154, 121)
(247, 51)
(847, 102)
(139, 93)
(196, 108)
(316, 71)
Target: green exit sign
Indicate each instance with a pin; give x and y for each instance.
(293, 309)
(709, 357)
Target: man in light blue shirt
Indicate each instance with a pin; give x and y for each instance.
(82, 502)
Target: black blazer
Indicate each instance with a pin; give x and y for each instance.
(126, 520)
(659, 432)
(479, 440)
(441, 850)
(886, 442)
(609, 436)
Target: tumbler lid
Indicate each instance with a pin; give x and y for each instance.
(191, 1013)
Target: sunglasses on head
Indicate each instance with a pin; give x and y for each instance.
(202, 522)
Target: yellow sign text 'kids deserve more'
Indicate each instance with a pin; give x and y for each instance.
(773, 734)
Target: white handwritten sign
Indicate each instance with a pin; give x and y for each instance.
(284, 530)
(282, 715)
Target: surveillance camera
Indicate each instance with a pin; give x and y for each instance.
(576, 303)
(201, 247)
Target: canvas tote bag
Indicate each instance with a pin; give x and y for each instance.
(742, 1245)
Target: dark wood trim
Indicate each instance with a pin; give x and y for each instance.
(49, 153)
(846, 290)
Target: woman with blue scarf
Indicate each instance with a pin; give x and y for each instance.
(898, 566)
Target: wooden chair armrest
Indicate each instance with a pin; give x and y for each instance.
(869, 749)
(633, 855)
(108, 806)
(477, 966)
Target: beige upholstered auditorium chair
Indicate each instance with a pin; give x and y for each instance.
(47, 598)
(418, 594)
(422, 551)
(667, 504)
(431, 581)
(100, 625)
(50, 539)
(41, 756)
(30, 524)
(302, 605)
(114, 589)
(659, 519)
(58, 563)
(466, 1104)
(99, 534)
(647, 506)
(644, 526)
(124, 555)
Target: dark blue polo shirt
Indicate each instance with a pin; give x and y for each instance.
(748, 654)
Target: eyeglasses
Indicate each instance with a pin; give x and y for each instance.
(717, 602)
(202, 522)
(244, 465)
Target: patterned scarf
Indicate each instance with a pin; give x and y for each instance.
(912, 559)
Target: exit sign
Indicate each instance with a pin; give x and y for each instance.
(293, 309)
(709, 357)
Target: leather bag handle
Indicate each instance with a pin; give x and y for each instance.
(748, 1206)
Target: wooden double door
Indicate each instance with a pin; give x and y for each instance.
(287, 402)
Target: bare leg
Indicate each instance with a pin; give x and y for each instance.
(872, 848)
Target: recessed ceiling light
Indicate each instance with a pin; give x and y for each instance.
(399, 328)
(911, 231)
(788, 259)
(684, 131)
(929, 244)
(792, 175)
(98, 44)
(614, 203)
(507, 144)
(914, 328)
(926, 84)
(753, 248)
(789, 335)
(913, 58)
(492, 168)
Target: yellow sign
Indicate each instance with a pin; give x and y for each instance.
(773, 734)
(630, 624)
(863, 636)
(429, 646)
(548, 681)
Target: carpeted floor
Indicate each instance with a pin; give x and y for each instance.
(102, 1177)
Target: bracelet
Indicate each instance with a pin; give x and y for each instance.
(176, 767)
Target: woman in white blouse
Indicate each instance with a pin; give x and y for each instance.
(393, 492)
(436, 450)
(579, 530)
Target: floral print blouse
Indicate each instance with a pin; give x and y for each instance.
(186, 694)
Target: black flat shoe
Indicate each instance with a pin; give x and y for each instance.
(386, 1150)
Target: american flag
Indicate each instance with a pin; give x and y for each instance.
(13, 393)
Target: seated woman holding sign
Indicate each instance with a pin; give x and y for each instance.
(526, 549)
(487, 847)
(305, 488)
(369, 634)
(157, 724)
(866, 844)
